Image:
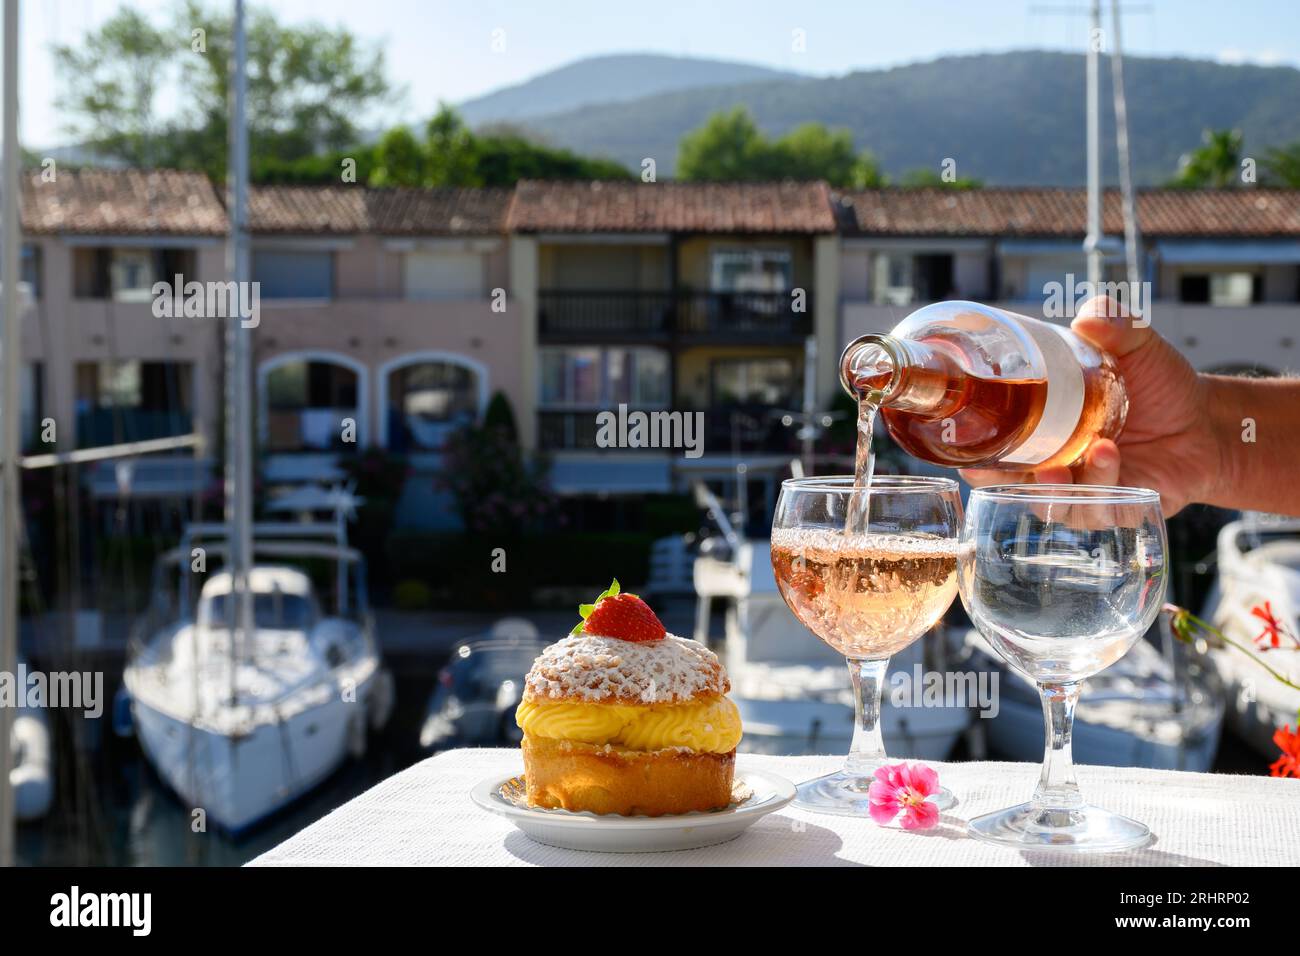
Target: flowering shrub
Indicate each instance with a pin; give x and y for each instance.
(497, 492)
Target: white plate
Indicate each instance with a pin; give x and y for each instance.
(759, 794)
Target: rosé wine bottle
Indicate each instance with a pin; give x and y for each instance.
(963, 385)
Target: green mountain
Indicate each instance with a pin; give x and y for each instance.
(609, 79)
(1011, 118)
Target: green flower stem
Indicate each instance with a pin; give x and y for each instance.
(1197, 624)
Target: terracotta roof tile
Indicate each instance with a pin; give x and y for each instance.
(122, 202)
(671, 207)
(1221, 213)
(348, 210)
(173, 202)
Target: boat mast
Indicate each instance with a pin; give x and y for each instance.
(1132, 238)
(239, 392)
(10, 477)
(1092, 244)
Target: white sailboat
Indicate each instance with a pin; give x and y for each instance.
(251, 696)
(241, 727)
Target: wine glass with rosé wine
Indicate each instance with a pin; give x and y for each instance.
(868, 569)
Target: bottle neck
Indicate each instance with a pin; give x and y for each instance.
(897, 373)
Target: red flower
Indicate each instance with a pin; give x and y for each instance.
(1273, 629)
(1287, 765)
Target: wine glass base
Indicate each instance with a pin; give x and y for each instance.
(845, 794)
(1081, 829)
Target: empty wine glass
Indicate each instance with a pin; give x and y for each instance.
(1062, 580)
(868, 590)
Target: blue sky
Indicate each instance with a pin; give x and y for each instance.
(444, 50)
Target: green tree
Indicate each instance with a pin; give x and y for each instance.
(110, 85)
(1282, 165)
(731, 147)
(728, 147)
(925, 176)
(454, 155)
(451, 149)
(306, 86)
(1217, 164)
(399, 159)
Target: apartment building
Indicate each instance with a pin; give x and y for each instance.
(99, 366)
(683, 297)
(1223, 266)
(389, 316)
(378, 327)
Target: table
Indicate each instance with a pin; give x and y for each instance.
(423, 816)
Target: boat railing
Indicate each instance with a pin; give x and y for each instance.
(172, 601)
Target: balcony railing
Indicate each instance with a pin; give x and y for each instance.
(729, 430)
(637, 315)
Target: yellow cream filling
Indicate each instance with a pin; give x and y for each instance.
(711, 725)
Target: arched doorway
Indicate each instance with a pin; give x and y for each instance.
(428, 395)
(312, 402)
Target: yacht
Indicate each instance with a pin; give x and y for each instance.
(239, 728)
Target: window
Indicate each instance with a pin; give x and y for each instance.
(752, 270)
(443, 275)
(31, 269)
(602, 377)
(1220, 288)
(31, 385)
(132, 401)
(272, 611)
(766, 381)
(427, 401)
(892, 279)
(306, 403)
(933, 276)
(126, 274)
(294, 274)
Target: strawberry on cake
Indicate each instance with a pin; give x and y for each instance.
(622, 717)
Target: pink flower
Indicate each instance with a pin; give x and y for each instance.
(903, 787)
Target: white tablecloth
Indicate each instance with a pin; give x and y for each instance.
(423, 816)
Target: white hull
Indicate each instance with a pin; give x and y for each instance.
(238, 780)
(1270, 572)
(786, 727)
(32, 779)
(792, 690)
(1126, 717)
(1018, 732)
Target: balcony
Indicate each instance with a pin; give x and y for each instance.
(694, 317)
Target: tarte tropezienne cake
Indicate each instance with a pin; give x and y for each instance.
(622, 717)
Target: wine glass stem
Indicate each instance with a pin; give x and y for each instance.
(1057, 788)
(868, 749)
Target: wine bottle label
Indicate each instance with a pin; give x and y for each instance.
(1064, 401)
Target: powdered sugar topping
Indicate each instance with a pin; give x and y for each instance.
(589, 667)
